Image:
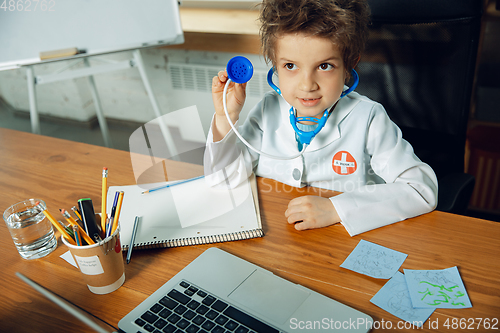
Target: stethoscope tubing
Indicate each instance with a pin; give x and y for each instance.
(224, 103)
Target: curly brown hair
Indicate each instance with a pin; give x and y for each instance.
(344, 22)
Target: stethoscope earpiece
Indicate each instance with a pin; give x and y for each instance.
(270, 81)
(239, 69)
(355, 76)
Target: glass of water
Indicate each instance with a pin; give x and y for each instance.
(31, 231)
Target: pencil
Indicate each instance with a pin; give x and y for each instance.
(57, 226)
(173, 184)
(77, 236)
(74, 223)
(104, 193)
(77, 213)
(117, 214)
(67, 228)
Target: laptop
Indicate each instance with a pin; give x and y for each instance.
(219, 292)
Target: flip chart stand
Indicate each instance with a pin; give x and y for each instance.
(89, 72)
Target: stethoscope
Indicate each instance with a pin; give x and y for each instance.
(240, 70)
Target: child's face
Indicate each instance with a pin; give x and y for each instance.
(311, 73)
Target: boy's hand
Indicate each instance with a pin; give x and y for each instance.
(236, 94)
(309, 212)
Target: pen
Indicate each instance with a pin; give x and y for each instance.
(170, 185)
(131, 245)
(104, 193)
(57, 226)
(74, 223)
(114, 224)
(113, 211)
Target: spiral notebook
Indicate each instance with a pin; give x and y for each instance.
(188, 214)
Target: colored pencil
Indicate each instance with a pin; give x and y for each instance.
(173, 184)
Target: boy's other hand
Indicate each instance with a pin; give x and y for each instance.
(310, 212)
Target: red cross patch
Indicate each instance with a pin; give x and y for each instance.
(343, 163)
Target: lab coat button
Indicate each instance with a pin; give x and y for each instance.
(296, 174)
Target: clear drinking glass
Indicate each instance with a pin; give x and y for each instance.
(31, 231)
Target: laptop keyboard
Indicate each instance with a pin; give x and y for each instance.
(187, 308)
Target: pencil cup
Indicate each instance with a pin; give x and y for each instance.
(101, 264)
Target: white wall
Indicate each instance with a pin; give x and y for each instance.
(122, 92)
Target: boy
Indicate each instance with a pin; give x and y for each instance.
(313, 46)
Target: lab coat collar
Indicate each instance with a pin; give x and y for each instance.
(328, 134)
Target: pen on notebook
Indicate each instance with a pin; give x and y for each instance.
(57, 226)
(173, 184)
(104, 193)
(80, 229)
(114, 224)
(132, 240)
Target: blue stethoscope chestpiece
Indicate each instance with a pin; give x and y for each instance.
(239, 69)
(306, 137)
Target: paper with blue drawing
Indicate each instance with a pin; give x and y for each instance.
(437, 288)
(374, 260)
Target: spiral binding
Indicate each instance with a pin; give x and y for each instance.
(246, 234)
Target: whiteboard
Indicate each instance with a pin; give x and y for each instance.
(28, 27)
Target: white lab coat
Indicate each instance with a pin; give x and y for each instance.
(385, 183)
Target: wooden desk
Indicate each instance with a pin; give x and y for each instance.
(60, 172)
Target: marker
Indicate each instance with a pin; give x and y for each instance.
(131, 245)
(104, 193)
(88, 217)
(170, 185)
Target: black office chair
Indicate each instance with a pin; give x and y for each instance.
(419, 64)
